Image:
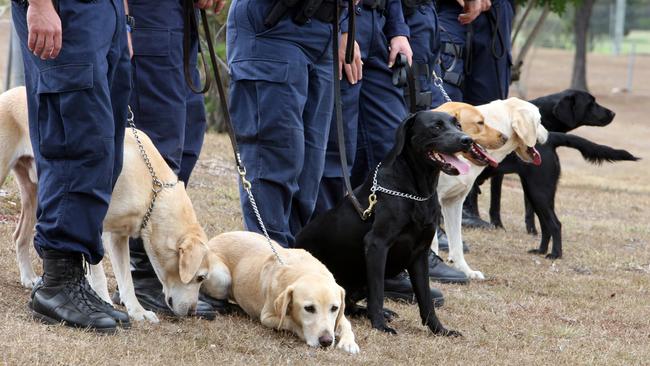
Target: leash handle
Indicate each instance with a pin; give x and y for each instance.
(349, 48)
(190, 25)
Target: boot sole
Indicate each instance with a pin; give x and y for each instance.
(447, 280)
(51, 321)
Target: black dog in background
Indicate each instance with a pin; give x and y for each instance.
(362, 253)
(561, 112)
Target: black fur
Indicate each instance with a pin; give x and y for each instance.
(361, 254)
(561, 112)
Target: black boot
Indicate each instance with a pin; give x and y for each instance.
(120, 317)
(399, 288)
(439, 271)
(148, 288)
(66, 297)
(471, 216)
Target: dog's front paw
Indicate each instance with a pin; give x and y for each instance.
(553, 256)
(142, 314)
(348, 345)
(535, 251)
(385, 328)
(451, 333)
(29, 282)
(475, 275)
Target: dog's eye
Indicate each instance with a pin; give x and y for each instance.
(481, 123)
(200, 278)
(334, 308)
(310, 309)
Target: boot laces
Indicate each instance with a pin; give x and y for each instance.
(80, 289)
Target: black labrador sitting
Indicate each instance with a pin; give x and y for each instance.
(362, 253)
(561, 112)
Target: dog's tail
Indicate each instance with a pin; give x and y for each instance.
(592, 152)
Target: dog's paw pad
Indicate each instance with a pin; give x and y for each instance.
(142, 315)
(387, 329)
(348, 346)
(476, 275)
(29, 282)
(151, 317)
(453, 333)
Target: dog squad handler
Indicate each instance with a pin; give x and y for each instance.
(167, 110)
(281, 98)
(77, 75)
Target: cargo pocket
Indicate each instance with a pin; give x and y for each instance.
(273, 71)
(262, 100)
(151, 42)
(65, 112)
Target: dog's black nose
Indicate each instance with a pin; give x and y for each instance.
(466, 141)
(325, 340)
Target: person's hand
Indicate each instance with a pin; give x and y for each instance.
(207, 4)
(45, 37)
(353, 70)
(471, 10)
(487, 4)
(399, 44)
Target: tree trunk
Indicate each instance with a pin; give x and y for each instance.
(581, 30)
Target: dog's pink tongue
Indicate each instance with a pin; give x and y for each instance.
(461, 166)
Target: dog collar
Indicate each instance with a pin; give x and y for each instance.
(376, 187)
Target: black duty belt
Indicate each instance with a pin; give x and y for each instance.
(409, 6)
(379, 5)
(302, 11)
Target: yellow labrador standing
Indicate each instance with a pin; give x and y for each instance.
(173, 239)
(520, 122)
(300, 296)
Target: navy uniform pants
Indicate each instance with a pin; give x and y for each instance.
(281, 105)
(163, 105)
(425, 43)
(77, 112)
(487, 67)
(372, 110)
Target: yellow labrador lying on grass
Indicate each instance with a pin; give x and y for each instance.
(300, 296)
(174, 239)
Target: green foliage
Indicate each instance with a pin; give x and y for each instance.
(556, 6)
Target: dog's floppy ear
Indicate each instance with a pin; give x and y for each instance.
(564, 109)
(402, 133)
(282, 303)
(341, 313)
(523, 125)
(191, 253)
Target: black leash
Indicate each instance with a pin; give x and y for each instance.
(338, 109)
(189, 26)
(497, 36)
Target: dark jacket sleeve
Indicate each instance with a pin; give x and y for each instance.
(395, 24)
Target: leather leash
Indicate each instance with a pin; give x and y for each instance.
(189, 13)
(338, 109)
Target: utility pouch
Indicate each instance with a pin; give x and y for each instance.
(409, 6)
(278, 11)
(309, 8)
(453, 78)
